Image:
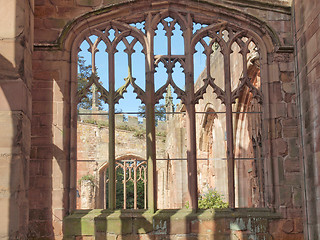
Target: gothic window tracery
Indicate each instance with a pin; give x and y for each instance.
(224, 81)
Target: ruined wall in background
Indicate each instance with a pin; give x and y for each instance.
(307, 63)
(93, 146)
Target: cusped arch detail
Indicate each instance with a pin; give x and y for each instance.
(105, 165)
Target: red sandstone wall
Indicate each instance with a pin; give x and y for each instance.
(48, 200)
(307, 31)
(50, 123)
(16, 46)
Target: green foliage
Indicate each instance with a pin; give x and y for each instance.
(139, 133)
(126, 128)
(211, 199)
(88, 177)
(161, 134)
(100, 124)
(160, 112)
(129, 189)
(84, 72)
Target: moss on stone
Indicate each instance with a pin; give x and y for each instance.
(122, 222)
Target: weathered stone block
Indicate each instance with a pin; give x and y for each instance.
(285, 196)
(290, 131)
(179, 226)
(292, 110)
(274, 70)
(278, 110)
(88, 3)
(293, 179)
(297, 197)
(294, 212)
(42, 107)
(280, 147)
(203, 226)
(47, 36)
(42, 11)
(118, 226)
(289, 87)
(287, 226)
(286, 67)
(298, 225)
(62, 2)
(54, 23)
(293, 148)
(276, 128)
(15, 96)
(275, 92)
(292, 164)
(147, 237)
(39, 2)
(287, 77)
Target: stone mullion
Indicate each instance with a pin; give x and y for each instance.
(191, 123)
(229, 126)
(102, 186)
(169, 35)
(111, 102)
(73, 134)
(244, 52)
(260, 174)
(135, 197)
(125, 184)
(150, 124)
(93, 71)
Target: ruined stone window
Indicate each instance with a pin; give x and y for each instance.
(171, 101)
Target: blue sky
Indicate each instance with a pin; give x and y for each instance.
(130, 103)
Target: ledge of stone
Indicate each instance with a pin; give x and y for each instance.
(168, 222)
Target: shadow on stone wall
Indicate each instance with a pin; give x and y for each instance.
(15, 148)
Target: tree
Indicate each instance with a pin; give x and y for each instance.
(129, 190)
(160, 112)
(84, 72)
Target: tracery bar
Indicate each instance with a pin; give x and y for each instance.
(150, 123)
(112, 175)
(229, 125)
(191, 123)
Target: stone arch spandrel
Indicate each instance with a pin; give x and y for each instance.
(54, 21)
(222, 12)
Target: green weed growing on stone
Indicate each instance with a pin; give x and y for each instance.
(139, 133)
(126, 128)
(91, 121)
(88, 177)
(161, 134)
(211, 199)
